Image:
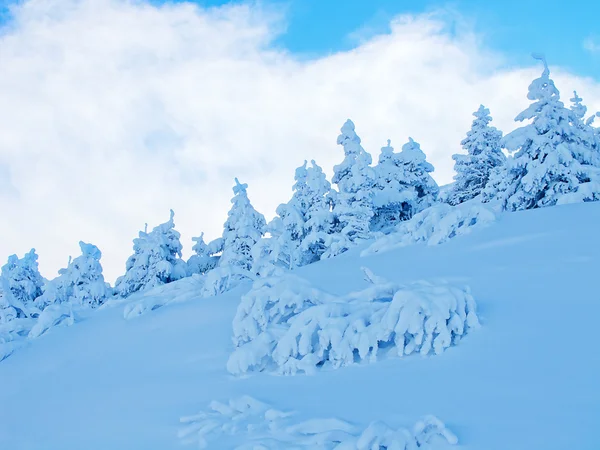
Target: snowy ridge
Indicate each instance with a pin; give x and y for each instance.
(435, 225)
(289, 327)
(248, 424)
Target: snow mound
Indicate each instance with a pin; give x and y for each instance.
(435, 225)
(248, 424)
(152, 299)
(287, 326)
(16, 332)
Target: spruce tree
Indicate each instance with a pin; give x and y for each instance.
(156, 260)
(483, 155)
(549, 165)
(21, 284)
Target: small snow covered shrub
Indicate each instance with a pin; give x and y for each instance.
(287, 326)
(248, 424)
(435, 225)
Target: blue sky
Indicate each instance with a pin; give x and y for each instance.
(512, 27)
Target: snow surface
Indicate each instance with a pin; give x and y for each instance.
(527, 379)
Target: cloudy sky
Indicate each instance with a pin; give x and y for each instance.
(112, 112)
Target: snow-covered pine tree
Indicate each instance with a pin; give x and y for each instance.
(242, 230)
(393, 199)
(21, 284)
(203, 259)
(416, 176)
(316, 195)
(587, 145)
(484, 154)
(547, 167)
(156, 260)
(353, 204)
(298, 235)
(81, 283)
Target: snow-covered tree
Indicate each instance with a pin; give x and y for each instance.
(396, 197)
(204, 258)
(353, 205)
(549, 165)
(242, 230)
(156, 260)
(20, 283)
(416, 176)
(298, 235)
(316, 195)
(483, 154)
(80, 283)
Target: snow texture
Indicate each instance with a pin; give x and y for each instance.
(285, 325)
(156, 260)
(482, 146)
(248, 424)
(435, 225)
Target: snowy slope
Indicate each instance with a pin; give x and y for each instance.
(527, 379)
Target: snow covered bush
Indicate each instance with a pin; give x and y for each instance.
(482, 145)
(204, 258)
(403, 186)
(248, 424)
(285, 325)
(552, 164)
(80, 283)
(20, 283)
(156, 260)
(435, 226)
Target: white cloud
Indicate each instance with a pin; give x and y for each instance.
(592, 44)
(112, 112)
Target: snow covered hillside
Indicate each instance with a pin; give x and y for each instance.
(527, 378)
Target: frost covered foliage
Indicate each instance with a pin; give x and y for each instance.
(403, 186)
(156, 260)
(552, 164)
(80, 283)
(242, 230)
(300, 232)
(248, 424)
(435, 225)
(204, 258)
(482, 146)
(353, 204)
(288, 327)
(20, 283)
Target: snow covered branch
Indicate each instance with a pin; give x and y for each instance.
(245, 423)
(287, 326)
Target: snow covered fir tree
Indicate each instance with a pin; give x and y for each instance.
(555, 161)
(20, 285)
(156, 260)
(483, 155)
(80, 283)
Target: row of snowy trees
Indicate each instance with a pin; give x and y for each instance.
(556, 160)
